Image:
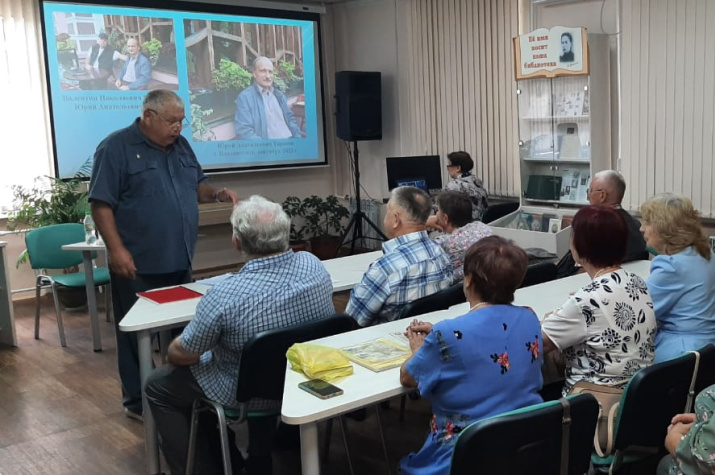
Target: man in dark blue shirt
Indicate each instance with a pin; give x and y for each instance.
(145, 188)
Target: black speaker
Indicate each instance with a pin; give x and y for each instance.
(358, 107)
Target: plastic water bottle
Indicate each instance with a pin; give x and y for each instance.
(89, 236)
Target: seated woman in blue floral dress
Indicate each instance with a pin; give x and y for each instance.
(481, 364)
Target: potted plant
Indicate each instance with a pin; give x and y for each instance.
(293, 206)
(323, 222)
(51, 201)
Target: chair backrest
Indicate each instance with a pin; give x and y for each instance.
(440, 300)
(44, 246)
(651, 398)
(528, 440)
(706, 368)
(538, 273)
(263, 361)
(495, 212)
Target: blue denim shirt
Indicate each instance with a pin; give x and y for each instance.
(250, 119)
(153, 194)
(142, 70)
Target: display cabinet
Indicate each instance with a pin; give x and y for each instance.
(564, 131)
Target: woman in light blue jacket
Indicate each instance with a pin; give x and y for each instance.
(682, 276)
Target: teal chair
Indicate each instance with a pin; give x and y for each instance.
(652, 397)
(261, 375)
(44, 247)
(550, 438)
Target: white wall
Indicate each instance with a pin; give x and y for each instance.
(365, 40)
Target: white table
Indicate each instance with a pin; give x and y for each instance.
(366, 388)
(146, 317)
(346, 272)
(87, 250)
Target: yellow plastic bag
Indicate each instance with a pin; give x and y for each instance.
(319, 362)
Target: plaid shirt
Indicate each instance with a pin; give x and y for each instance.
(413, 267)
(271, 292)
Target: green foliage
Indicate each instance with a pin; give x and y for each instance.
(64, 42)
(323, 217)
(190, 63)
(287, 70)
(200, 130)
(294, 207)
(230, 75)
(49, 201)
(151, 49)
(116, 40)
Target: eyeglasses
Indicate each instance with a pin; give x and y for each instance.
(181, 123)
(589, 191)
(452, 166)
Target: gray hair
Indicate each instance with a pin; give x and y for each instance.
(157, 98)
(261, 226)
(261, 59)
(415, 202)
(615, 183)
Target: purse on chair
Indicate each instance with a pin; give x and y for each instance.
(609, 398)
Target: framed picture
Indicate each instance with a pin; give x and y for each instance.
(554, 225)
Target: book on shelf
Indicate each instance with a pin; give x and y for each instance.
(378, 354)
(545, 220)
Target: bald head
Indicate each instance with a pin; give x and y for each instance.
(607, 188)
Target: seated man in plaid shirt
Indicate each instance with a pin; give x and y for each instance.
(413, 266)
(275, 288)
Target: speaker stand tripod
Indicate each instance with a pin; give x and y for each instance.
(358, 216)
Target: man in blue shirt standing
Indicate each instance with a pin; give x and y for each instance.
(413, 266)
(145, 188)
(262, 111)
(275, 288)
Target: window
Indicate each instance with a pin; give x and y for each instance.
(24, 130)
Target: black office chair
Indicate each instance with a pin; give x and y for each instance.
(706, 369)
(261, 374)
(538, 273)
(548, 438)
(650, 400)
(440, 300)
(500, 210)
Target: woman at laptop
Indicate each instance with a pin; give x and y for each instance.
(459, 167)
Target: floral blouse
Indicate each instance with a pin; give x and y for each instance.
(696, 452)
(457, 243)
(606, 330)
(472, 186)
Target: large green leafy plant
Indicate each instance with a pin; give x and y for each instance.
(49, 201)
(323, 216)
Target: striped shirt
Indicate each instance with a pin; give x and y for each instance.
(270, 292)
(413, 267)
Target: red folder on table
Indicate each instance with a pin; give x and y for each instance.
(172, 294)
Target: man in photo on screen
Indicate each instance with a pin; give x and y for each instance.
(136, 72)
(262, 111)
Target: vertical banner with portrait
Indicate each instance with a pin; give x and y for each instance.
(547, 53)
(250, 84)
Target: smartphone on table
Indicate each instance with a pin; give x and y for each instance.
(320, 388)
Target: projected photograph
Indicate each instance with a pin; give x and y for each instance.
(114, 52)
(246, 80)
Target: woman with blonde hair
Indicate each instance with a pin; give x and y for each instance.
(682, 276)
